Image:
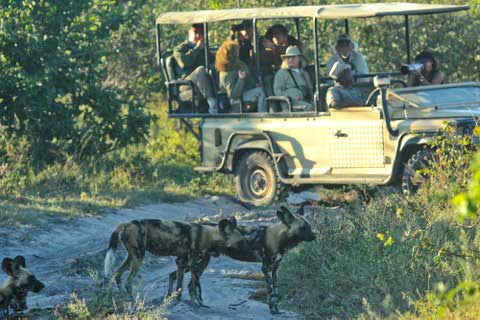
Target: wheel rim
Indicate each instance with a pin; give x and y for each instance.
(259, 183)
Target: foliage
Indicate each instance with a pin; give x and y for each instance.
(53, 56)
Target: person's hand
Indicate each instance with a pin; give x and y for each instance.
(242, 74)
(200, 44)
(417, 73)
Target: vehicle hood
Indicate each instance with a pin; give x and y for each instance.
(438, 101)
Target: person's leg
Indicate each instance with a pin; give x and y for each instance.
(203, 84)
(256, 95)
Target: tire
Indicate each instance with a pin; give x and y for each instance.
(256, 181)
(411, 178)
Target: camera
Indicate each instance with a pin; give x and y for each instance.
(409, 68)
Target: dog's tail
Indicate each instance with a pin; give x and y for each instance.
(112, 248)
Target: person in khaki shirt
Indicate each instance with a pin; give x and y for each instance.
(343, 94)
(345, 51)
(293, 82)
(235, 77)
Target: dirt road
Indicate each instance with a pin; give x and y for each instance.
(66, 257)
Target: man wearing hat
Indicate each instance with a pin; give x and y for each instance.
(345, 52)
(342, 94)
(293, 82)
(190, 57)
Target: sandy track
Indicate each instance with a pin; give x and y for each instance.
(62, 256)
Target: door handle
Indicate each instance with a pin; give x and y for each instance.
(340, 134)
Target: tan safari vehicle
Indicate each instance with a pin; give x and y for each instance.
(377, 143)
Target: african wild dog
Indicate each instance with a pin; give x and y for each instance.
(187, 241)
(268, 244)
(18, 283)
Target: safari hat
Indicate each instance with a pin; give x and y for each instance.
(292, 51)
(338, 68)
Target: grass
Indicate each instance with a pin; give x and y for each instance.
(159, 170)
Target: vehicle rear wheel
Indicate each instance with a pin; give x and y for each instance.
(412, 179)
(256, 181)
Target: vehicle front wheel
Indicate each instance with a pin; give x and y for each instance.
(413, 177)
(256, 181)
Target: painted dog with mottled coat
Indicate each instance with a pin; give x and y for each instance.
(268, 245)
(17, 285)
(186, 241)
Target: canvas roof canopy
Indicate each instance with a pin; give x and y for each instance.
(347, 11)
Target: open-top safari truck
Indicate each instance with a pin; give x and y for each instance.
(376, 143)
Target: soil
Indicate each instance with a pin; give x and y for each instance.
(68, 257)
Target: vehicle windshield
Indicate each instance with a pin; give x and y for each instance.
(422, 97)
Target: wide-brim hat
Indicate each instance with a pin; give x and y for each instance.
(292, 51)
(338, 68)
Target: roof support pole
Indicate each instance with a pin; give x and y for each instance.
(157, 36)
(205, 36)
(256, 49)
(297, 28)
(407, 39)
(347, 26)
(317, 71)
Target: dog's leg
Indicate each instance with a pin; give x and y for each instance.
(134, 267)
(203, 265)
(268, 265)
(118, 274)
(171, 279)
(182, 264)
(266, 273)
(197, 266)
(274, 296)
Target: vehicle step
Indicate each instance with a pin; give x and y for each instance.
(204, 169)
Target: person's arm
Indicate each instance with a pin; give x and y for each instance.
(233, 84)
(330, 64)
(279, 83)
(438, 77)
(309, 84)
(360, 63)
(333, 98)
(186, 57)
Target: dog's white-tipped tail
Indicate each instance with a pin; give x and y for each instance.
(112, 248)
(109, 262)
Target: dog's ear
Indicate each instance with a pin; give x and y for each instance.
(301, 210)
(20, 261)
(233, 221)
(285, 216)
(8, 266)
(225, 226)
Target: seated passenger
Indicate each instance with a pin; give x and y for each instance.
(345, 52)
(243, 33)
(293, 82)
(343, 94)
(235, 77)
(430, 74)
(273, 45)
(190, 57)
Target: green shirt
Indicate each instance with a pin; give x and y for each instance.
(233, 85)
(284, 85)
(188, 58)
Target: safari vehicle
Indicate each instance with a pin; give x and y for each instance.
(378, 143)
